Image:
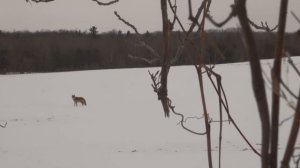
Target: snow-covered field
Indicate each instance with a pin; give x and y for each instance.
(123, 124)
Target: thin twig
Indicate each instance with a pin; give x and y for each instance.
(140, 43)
(174, 11)
(264, 26)
(221, 117)
(188, 33)
(286, 119)
(291, 62)
(281, 92)
(194, 19)
(207, 124)
(292, 137)
(187, 118)
(182, 120)
(201, 84)
(295, 16)
(156, 85)
(225, 106)
(288, 89)
(126, 22)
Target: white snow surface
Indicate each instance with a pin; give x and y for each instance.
(123, 124)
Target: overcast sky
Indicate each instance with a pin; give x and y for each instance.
(18, 15)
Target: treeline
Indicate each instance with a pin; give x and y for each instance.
(48, 51)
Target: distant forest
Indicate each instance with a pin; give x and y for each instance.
(65, 50)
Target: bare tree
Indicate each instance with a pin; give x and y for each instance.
(269, 139)
(269, 124)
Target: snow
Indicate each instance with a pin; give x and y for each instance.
(123, 124)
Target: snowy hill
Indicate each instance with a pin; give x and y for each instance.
(123, 124)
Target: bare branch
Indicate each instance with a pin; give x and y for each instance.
(276, 77)
(290, 61)
(264, 26)
(190, 10)
(195, 19)
(229, 17)
(163, 91)
(156, 84)
(286, 119)
(219, 83)
(198, 67)
(187, 118)
(106, 3)
(182, 120)
(207, 124)
(126, 22)
(204, 5)
(140, 43)
(293, 136)
(174, 10)
(221, 94)
(187, 34)
(295, 16)
(257, 80)
(37, 1)
(281, 92)
(155, 81)
(190, 30)
(288, 89)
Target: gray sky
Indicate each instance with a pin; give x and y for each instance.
(144, 14)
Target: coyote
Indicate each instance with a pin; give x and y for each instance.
(78, 99)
